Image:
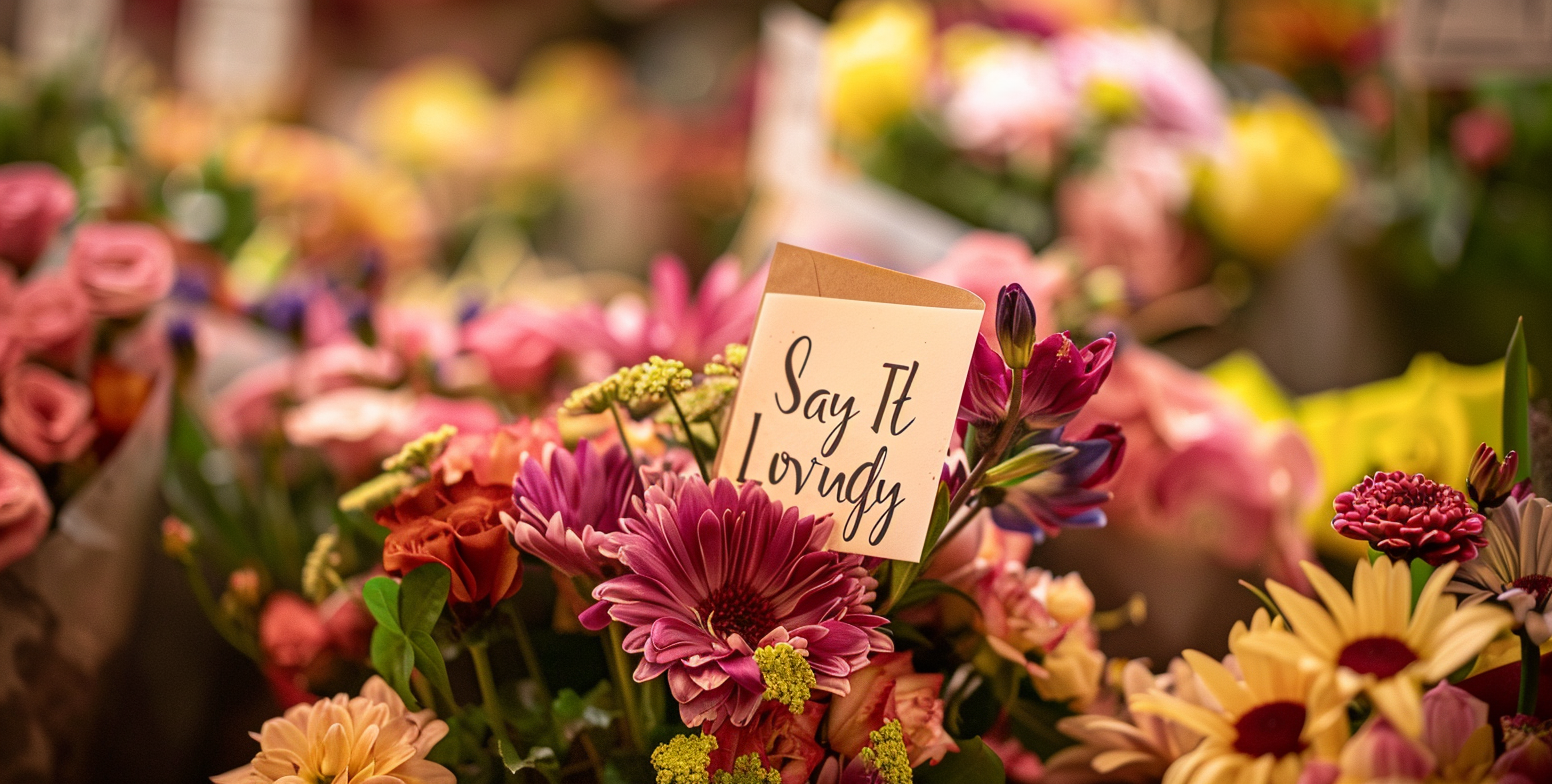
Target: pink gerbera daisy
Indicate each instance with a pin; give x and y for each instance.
(717, 572)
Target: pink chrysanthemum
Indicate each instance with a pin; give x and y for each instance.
(717, 572)
(1409, 517)
(570, 505)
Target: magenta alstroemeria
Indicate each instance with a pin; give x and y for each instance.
(717, 571)
(569, 505)
(1060, 378)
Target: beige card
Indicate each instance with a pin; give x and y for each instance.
(849, 396)
(1454, 42)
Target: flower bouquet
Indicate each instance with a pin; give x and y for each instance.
(83, 389)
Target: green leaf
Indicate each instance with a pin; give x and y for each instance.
(381, 595)
(422, 595)
(939, 520)
(428, 659)
(923, 591)
(1421, 571)
(393, 659)
(1271, 606)
(1034, 724)
(1516, 401)
(974, 761)
(540, 758)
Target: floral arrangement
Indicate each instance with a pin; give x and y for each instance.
(1108, 140)
(76, 368)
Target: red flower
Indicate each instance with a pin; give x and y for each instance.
(1408, 517)
(458, 526)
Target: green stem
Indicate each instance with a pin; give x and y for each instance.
(493, 714)
(689, 437)
(218, 619)
(1530, 673)
(619, 668)
(619, 425)
(1004, 437)
(530, 656)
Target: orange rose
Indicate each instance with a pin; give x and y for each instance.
(458, 526)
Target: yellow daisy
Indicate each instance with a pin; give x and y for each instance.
(1374, 641)
(1273, 717)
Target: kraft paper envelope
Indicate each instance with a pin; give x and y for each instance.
(849, 396)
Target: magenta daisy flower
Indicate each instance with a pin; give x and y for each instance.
(717, 572)
(569, 505)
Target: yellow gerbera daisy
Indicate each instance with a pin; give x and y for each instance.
(1274, 717)
(1374, 641)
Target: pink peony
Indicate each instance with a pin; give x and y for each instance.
(1126, 214)
(35, 202)
(1199, 466)
(518, 345)
(1175, 93)
(985, 261)
(52, 319)
(715, 572)
(890, 688)
(1010, 101)
(25, 510)
(45, 416)
(124, 268)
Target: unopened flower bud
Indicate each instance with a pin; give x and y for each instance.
(1491, 480)
(1015, 326)
(177, 538)
(243, 587)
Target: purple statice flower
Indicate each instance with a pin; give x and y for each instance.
(1059, 380)
(715, 572)
(570, 504)
(1066, 495)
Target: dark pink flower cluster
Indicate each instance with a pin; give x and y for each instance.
(1410, 517)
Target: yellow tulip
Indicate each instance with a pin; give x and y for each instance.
(876, 58)
(1428, 420)
(1278, 178)
(431, 114)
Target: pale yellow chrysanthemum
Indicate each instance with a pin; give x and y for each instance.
(1373, 641)
(1273, 717)
(347, 740)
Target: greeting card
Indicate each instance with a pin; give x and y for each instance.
(849, 396)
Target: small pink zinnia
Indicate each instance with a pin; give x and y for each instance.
(569, 505)
(1408, 517)
(718, 571)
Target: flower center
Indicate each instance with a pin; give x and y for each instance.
(1381, 657)
(737, 609)
(1272, 728)
(1538, 585)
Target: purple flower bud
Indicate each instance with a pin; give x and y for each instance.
(1491, 480)
(1015, 325)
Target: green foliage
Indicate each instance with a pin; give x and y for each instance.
(406, 614)
(974, 762)
(1516, 402)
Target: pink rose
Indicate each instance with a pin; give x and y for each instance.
(25, 510)
(45, 416)
(355, 427)
(494, 456)
(1199, 467)
(518, 345)
(52, 318)
(248, 408)
(35, 201)
(124, 268)
(890, 688)
(1126, 214)
(985, 261)
(343, 364)
(415, 335)
(468, 415)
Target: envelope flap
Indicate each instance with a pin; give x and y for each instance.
(797, 270)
